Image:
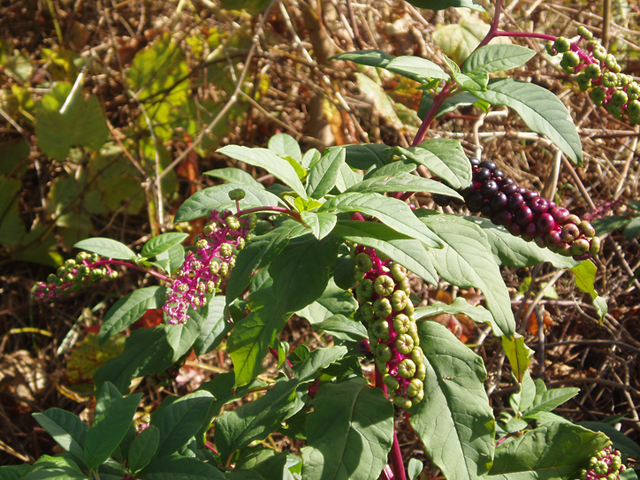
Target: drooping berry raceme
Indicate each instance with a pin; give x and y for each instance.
(385, 308)
(204, 267)
(75, 274)
(524, 213)
(605, 465)
(599, 71)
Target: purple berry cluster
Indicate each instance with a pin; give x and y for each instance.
(387, 311)
(203, 269)
(524, 213)
(599, 70)
(74, 275)
(605, 465)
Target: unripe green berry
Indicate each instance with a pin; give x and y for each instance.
(409, 309)
(112, 275)
(415, 387)
(226, 250)
(68, 277)
(383, 351)
(364, 262)
(619, 98)
(398, 272)
(382, 366)
(583, 82)
(599, 53)
(595, 246)
(635, 118)
(405, 286)
(633, 91)
(82, 256)
(382, 256)
(399, 300)
(364, 290)
(365, 311)
(214, 267)
(561, 45)
(61, 271)
(633, 107)
(585, 33)
(70, 263)
(580, 246)
(593, 71)
(417, 355)
(402, 402)
(224, 269)
(566, 67)
(83, 270)
(209, 228)
(587, 228)
(612, 64)
(237, 194)
(404, 344)
(609, 79)
(358, 274)
(391, 383)
(571, 59)
(382, 308)
(253, 219)
(598, 96)
(401, 324)
(421, 371)
(384, 285)
(407, 368)
(51, 278)
(550, 50)
(202, 244)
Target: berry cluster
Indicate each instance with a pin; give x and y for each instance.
(605, 465)
(203, 268)
(600, 71)
(524, 213)
(74, 275)
(383, 293)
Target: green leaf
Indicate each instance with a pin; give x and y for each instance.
(406, 251)
(81, 124)
(301, 272)
(467, 261)
(394, 168)
(497, 58)
(585, 278)
(632, 230)
(627, 447)
(109, 429)
(444, 158)
(257, 253)
(182, 337)
(333, 301)
(416, 68)
(11, 227)
(551, 451)
(414, 468)
(343, 328)
(350, 432)
(462, 99)
(392, 212)
(321, 224)
(516, 252)
(143, 448)
(235, 175)
(285, 145)
(179, 468)
(180, 420)
(146, 351)
(162, 243)
(547, 400)
(14, 472)
(523, 398)
(126, 311)
(460, 39)
(212, 326)
(540, 109)
(202, 203)
(323, 176)
(172, 259)
(478, 314)
(519, 355)
(65, 428)
(54, 468)
(107, 248)
(257, 420)
(402, 182)
(272, 163)
(454, 420)
(371, 58)
(443, 4)
(364, 156)
(609, 224)
(470, 81)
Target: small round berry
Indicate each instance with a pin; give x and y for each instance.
(384, 285)
(499, 201)
(364, 290)
(407, 368)
(486, 211)
(609, 79)
(383, 351)
(415, 387)
(489, 165)
(580, 246)
(553, 239)
(633, 91)
(633, 107)
(538, 205)
(365, 312)
(399, 300)
(481, 174)
(398, 272)
(232, 222)
(584, 32)
(226, 250)
(595, 246)
(442, 200)
(498, 175)
(550, 50)
(587, 228)
(515, 229)
(530, 231)
(592, 71)
(474, 161)
(545, 223)
(611, 63)
(475, 201)
(571, 59)
(404, 344)
(503, 217)
(560, 214)
(561, 45)
(489, 188)
(523, 216)
(364, 262)
(382, 307)
(510, 188)
(584, 83)
(237, 194)
(380, 329)
(391, 383)
(515, 202)
(599, 52)
(401, 323)
(570, 232)
(619, 98)
(529, 195)
(402, 402)
(598, 95)
(364, 346)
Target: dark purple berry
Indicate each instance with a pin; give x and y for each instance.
(467, 191)
(486, 211)
(474, 161)
(489, 188)
(538, 205)
(552, 239)
(545, 223)
(530, 231)
(528, 195)
(503, 217)
(515, 229)
(515, 201)
(522, 191)
(489, 165)
(364, 347)
(481, 175)
(560, 214)
(584, 256)
(524, 216)
(509, 189)
(507, 181)
(442, 200)
(458, 202)
(499, 201)
(475, 201)
(498, 175)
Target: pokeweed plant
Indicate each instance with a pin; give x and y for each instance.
(335, 241)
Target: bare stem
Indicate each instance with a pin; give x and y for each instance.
(286, 211)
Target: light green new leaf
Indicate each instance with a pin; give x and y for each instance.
(497, 58)
(234, 175)
(445, 158)
(350, 432)
(162, 243)
(272, 163)
(285, 145)
(454, 420)
(126, 311)
(323, 175)
(478, 314)
(467, 261)
(518, 353)
(416, 68)
(551, 451)
(585, 278)
(392, 212)
(540, 109)
(321, 224)
(107, 248)
(371, 58)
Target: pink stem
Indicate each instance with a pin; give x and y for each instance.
(395, 455)
(542, 36)
(286, 211)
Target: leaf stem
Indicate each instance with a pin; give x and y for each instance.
(286, 211)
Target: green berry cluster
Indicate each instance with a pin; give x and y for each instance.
(387, 311)
(75, 274)
(599, 71)
(605, 465)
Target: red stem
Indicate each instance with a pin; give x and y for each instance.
(395, 455)
(542, 36)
